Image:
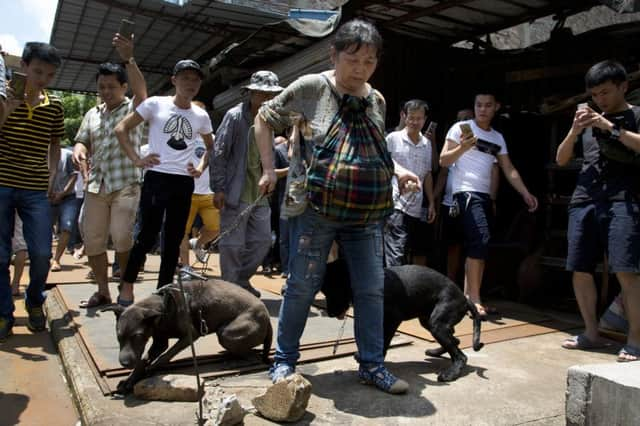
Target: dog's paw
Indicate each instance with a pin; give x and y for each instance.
(125, 387)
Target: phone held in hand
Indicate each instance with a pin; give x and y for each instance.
(582, 105)
(466, 130)
(18, 84)
(126, 28)
(431, 129)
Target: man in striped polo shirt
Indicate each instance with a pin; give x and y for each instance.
(31, 126)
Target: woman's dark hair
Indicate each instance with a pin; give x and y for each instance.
(415, 104)
(605, 71)
(355, 33)
(109, 68)
(42, 51)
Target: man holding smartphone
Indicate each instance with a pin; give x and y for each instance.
(113, 189)
(471, 184)
(604, 211)
(31, 126)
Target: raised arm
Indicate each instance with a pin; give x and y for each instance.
(138, 85)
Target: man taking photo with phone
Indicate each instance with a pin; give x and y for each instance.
(31, 125)
(474, 146)
(113, 189)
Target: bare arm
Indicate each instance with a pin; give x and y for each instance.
(428, 189)
(54, 159)
(515, 180)
(281, 173)
(451, 150)
(138, 86)
(122, 130)
(264, 140)
(9, 105)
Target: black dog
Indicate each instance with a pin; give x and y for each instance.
(412, 291)
(240, 320)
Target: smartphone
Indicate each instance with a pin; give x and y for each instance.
(466, 129)
(583, 105)
(126, 28)
(18, 84)
(432, 128)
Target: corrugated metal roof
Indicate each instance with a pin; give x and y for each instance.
(166, 33)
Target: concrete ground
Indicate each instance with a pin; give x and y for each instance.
(520, 381)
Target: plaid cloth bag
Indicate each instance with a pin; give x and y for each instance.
(349, 177)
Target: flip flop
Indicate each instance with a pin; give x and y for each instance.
(94, 301)
(583, 343)
(124, 303)
(629, 350)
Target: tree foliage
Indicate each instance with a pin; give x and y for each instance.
(75, 106)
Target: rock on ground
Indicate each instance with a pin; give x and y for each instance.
(168, 387)
(285, 401)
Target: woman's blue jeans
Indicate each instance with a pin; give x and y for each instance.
(361, 246)
(35, 212)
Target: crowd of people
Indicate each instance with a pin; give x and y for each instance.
(341, 184)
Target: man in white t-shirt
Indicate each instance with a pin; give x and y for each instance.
(412, 150)
(174, 126)
(474, 154)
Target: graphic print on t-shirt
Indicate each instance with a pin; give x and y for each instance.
(200, 150)
(179, 128)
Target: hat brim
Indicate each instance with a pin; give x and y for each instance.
(199, 71)
(263, 88)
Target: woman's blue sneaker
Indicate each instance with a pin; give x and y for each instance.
(381, 378)
(280, 372)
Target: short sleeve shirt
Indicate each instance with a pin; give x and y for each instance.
(110, 166)
(473, 168)
(415, 158)
(173, 132)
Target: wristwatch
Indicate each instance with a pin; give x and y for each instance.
(615, 131)
(131, 60)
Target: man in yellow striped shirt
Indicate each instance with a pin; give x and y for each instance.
(31, 126)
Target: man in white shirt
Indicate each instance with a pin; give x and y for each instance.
(474, 154)
(174, 124)
(412, 150)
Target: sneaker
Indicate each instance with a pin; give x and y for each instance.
(280, 372)
(200, 252)
(382, 378)
(37, 320)
(184, 276)
(6, 327)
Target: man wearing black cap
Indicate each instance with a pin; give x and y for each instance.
(235, 176)
(174, 123)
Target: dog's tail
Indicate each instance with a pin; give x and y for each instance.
(475, 316)
(266, 347)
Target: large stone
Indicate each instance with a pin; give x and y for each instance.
(222, 410)
(285, 401)
(168, 387)
(603, 394)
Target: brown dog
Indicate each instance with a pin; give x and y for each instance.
(240, 320)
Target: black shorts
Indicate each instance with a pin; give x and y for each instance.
(604, 227)
(475, 213)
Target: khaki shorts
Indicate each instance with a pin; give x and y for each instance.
(203, 205)
(109, 214)
(17, 242)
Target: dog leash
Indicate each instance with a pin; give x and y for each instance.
(234, 225)
(340, 334)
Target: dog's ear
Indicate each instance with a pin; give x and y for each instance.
(116, 308)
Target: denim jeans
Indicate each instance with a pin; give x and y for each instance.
(34, 210)
(361, 246)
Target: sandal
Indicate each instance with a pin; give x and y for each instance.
(95, 300)
(55, 267)
(124, 303)
(629, 353)
(583, 343)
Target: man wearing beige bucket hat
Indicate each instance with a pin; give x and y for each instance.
(235, 174)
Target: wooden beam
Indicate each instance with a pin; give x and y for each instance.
(426, 11)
